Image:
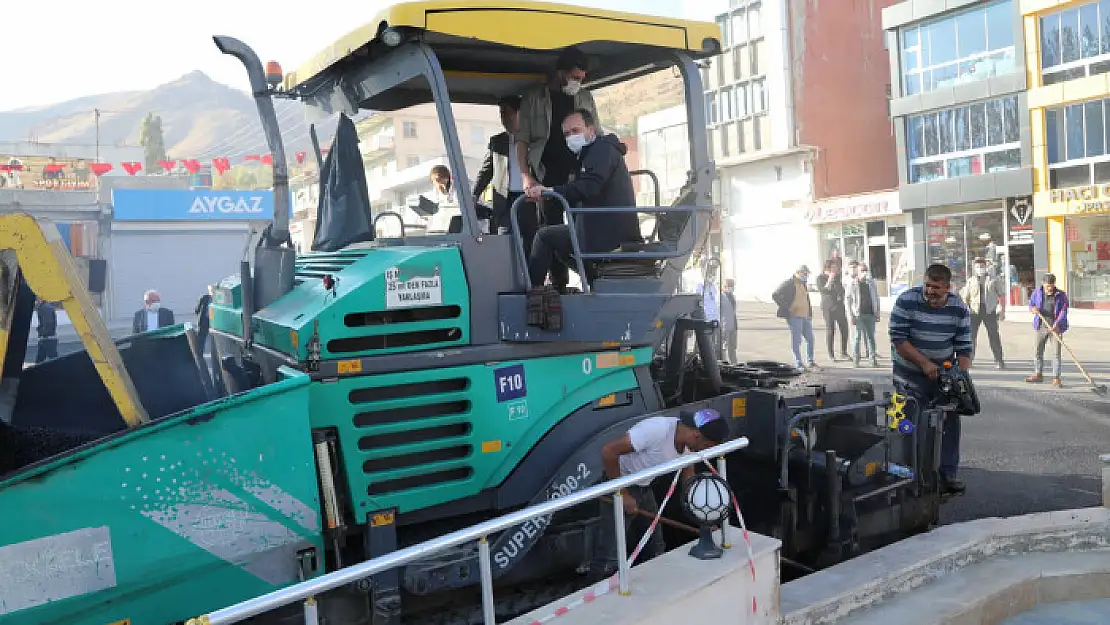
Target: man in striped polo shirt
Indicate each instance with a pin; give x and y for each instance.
(929, 325)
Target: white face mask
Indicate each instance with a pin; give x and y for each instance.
(572, 87)
(154, 306)
(577, 142)
(980, 271)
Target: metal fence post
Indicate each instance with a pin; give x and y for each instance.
(722, 470)
(622, 545)
(485, 566)
(311, 611)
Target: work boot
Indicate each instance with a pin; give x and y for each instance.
(1057, 383)
(1036, 378)
(951, 486)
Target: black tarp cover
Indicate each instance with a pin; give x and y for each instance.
(343, 215)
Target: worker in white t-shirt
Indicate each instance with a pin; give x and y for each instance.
(649, 443)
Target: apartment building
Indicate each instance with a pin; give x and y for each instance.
(964, 145)
(795, 107)
(1068, 74)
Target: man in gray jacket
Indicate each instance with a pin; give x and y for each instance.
(862, 302)
(985, 296)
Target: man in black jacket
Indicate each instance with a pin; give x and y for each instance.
(831, 285)
(601, 180)
(47, 347)
(151, 316)
(502, 170)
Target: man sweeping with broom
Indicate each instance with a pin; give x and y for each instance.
(1049, 306)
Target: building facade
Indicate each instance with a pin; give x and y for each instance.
(963, 139)
(1068, 72)
(791, 111)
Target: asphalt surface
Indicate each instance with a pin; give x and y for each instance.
(1032, 449)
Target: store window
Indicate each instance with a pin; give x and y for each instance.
(1075, 43)
(882, 247)
(966, 140)
(956, 49)
(956, 240)
(1088, 251)
(1078, 144)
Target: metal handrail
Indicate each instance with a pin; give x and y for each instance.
(654, 180)
(389, 214)
(306, 590)
(579, 257)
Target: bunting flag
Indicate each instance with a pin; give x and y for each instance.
(252, 157)
(221, 164)
(8, 168)
(191, 165)
(132, 167)
(53, 169)
(300, 157)
(268, 159)
(167, 165)
(99, 169)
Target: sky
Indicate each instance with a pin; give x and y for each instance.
(84, 48)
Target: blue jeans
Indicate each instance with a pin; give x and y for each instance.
(801, 327)
(925, 392)
(865, 329)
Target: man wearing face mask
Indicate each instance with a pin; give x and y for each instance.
(602, 180)
(151, 316)
(985, 296)
(543, 153)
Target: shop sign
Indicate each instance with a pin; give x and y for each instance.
(1093, 198)
(1020, 218)
(191, 205)
(852, 208)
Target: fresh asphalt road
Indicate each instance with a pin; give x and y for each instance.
(1032, 449)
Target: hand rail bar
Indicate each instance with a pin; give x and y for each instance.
(579, 257)
(654, 181)
(309, 588)
(389, 214)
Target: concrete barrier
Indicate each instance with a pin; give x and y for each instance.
(676, 588)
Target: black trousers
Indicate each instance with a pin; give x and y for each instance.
(834, 316)
(47, 349)
(635, 526)
(991, 323)
(551, 249)
(551, 214)
(729, 347)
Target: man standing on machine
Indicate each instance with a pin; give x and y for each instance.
(502, 168)
(540, 146)
(649, 443)
(929, 325)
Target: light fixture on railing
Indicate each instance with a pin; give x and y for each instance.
(707, 500)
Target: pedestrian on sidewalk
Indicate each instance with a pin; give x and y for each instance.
(711, 304)
(985, 296)
(792, 298)
(929, 325)
(862, 303)
(831, 285)
(1052, 304)
(728, 320)
(47, 329)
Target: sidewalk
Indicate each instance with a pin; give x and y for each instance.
(763, 336)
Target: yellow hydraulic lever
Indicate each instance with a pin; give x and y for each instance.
(49, 270)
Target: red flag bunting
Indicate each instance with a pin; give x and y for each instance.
(132, 167)
(167, 165)
(268, 159)
(300, 157)
(53, 169)
(7, 168)
(192, 165)
(99, 169)
(221, 164)
(252, 157)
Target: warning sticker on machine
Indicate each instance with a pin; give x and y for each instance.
(405, 288)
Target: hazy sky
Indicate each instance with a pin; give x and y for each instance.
(65, 49)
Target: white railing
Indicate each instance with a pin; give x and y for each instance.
(306, 591)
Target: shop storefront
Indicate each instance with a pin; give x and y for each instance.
(1001, 233)
(1078, 224)
(871, 229)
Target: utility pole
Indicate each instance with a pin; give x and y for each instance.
(96, 115)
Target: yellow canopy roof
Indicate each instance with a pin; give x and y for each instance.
(523, 26)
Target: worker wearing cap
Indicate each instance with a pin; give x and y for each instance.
(649, 443)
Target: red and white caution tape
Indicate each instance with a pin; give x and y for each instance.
(605, 587)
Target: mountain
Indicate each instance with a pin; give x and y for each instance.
(201, 118)
(204, 119)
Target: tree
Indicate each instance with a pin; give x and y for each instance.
(153, 142)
